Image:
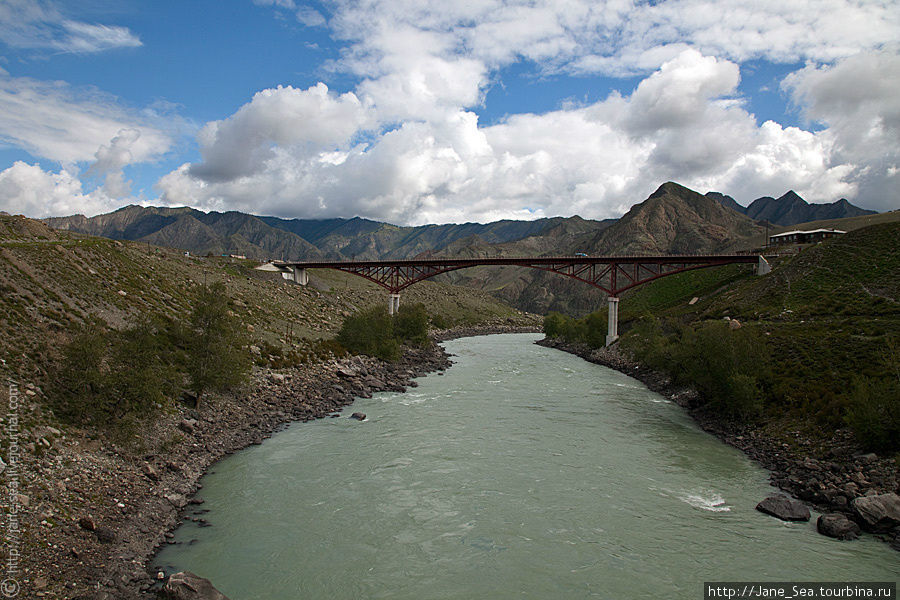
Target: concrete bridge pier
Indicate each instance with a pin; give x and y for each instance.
(763, 266)
(297, 275)
(612, 319)
(394, 304)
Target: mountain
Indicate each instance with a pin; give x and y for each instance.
(791, 209)
(193, 230)
(296, 239)
(674, 220)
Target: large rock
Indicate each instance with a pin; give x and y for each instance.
(187, 586)
(878, 513)
(786, 509)
(837, 526)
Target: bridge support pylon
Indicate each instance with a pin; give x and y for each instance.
(394, 304)
(297, 275)
(612, 319)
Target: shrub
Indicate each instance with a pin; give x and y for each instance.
(108, 378)
(440, 322)
(370, 332)
(142, 374)
(411, 324)
(216, 357)
(376, 333)
(554, 324)
(80, 393)
(874, 404)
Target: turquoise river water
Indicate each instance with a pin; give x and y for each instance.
(523, 472)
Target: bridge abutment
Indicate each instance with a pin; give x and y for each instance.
(297, 275)
(612, 318)
(393, 304)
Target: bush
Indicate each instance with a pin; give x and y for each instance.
(376, 333)
(107, 378)
(216, 356)
(874, 405)
(554, 324)
(142, 374)
(80, 391)
(370, 332)
(729, 368)
(411, 324)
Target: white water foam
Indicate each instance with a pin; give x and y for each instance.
(709, 501)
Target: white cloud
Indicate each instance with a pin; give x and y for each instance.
(56, 121)
(682, 122)
(29, 190)
(616, 37)
(310, 16)
(306, 120)
(36, 24)
(856, 98)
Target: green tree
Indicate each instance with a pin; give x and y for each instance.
(411, 324)
(874, 411)
(370, 332)
(80, 393)
(142, 374)
(216, 358)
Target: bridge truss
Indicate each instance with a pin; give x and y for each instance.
(612, 274)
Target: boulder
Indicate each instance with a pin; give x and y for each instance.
(358, 416)
(105, 535)
(878, 513)
(187, 425)
(838, 526)
(150, 472)
(786, 509)
(187, 586)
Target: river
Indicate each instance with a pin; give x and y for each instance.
(523, 472)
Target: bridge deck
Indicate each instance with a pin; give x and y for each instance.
(523, 261)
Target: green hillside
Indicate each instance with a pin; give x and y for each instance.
(822, 330)
(52, 280)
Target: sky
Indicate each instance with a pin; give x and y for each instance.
(413, 112)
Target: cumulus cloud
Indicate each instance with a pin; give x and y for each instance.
(29, 190)
(683, 122)
(305, 120)
(36, 24)
(856, 99)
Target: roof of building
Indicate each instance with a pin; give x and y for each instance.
(786, 233)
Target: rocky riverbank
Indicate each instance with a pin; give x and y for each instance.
(443, 335)
(97, 510)
(835, 478)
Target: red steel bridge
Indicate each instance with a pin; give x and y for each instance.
(612, 274)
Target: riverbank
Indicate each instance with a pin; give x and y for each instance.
(95, 529)
(826, 476)
(102, 508)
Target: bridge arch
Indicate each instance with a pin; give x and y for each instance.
(612, 274)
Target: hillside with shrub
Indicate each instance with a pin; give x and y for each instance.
(110, 331)
(814, 344)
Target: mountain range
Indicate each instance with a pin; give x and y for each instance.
(791, 209)
(672, 220)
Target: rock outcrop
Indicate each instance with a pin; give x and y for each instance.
(878, 513)
(838, 526)
(784, 508)
(187, 586)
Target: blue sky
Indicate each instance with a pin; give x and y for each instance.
(415, 112)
